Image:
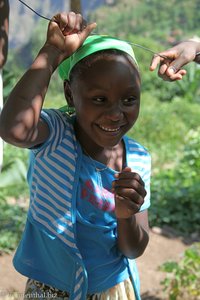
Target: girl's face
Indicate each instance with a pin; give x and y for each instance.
(106, 97)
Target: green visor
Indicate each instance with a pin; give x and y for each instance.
(92, 44)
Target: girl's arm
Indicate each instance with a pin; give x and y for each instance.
(133, 234)
(20, 122)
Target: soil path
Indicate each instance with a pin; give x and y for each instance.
(159, 250)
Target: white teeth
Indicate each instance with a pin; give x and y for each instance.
(109, 129)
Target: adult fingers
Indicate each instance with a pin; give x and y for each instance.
(156, 60)
(174, 68)
(162, 58)
(181, 60)
(162, 69)
(171, 76)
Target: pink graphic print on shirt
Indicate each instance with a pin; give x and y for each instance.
(100, 197)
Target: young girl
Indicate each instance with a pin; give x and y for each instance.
(89, 182)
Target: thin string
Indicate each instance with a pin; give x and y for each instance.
(93, 162)
(41, 16)
(98, 173)
(133, 44)
(148, 49)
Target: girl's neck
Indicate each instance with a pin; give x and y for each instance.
(112, 157)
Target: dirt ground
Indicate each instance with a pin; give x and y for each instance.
(160, 249)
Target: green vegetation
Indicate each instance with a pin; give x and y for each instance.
(176, 191)
(13, 195)
(159, 20)
(183, 278)
(12, 224)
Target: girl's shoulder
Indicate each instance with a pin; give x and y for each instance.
(57, 114)
(58, 121)
(132, 146)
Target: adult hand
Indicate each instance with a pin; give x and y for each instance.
(170, 67)
(129, 193)
(67, 32)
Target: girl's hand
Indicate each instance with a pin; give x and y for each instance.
(170, 69)
(129, 193)
(67, 32)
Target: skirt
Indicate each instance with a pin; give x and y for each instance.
(37, 290)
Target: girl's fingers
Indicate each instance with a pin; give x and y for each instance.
(71, 24)
(79, 23)
(127, 175)
(86, 31)
(132, 193)
(61, 20)
(126, 203)
(76, 22)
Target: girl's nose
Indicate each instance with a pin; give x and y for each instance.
(114, 113)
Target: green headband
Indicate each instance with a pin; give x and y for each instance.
(92, 44)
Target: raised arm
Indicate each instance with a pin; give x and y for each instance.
(171, 68)
(20, 122)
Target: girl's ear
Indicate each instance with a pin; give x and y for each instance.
(68, 93)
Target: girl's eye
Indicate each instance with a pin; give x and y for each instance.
(99, 99)
(129, 101)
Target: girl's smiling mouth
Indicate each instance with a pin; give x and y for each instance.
(109, 129)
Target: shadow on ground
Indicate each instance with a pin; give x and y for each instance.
(149, 296)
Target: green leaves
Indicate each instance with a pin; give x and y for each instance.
(13, 192)
(156, 19)
(176, 191)
(8, 82)
(189, 87)
(11, 226)
(183, 277)
(13, 173)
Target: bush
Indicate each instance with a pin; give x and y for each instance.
(12, 186)
(12, 224)
(176, 192)
(183, 279)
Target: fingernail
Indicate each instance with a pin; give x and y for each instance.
(172, 69)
